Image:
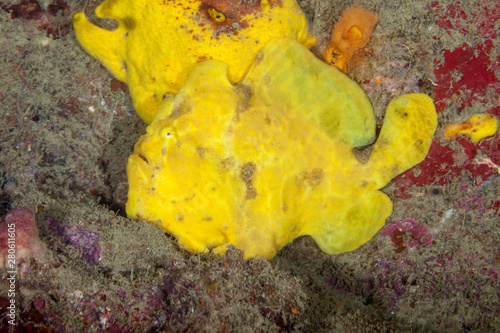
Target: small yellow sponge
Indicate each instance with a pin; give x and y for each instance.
(478, 126)
(157, 43)
(262, 162)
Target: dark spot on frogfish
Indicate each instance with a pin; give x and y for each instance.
(246, 174)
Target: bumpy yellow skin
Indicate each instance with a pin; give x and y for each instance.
(158, 42)
(262, 162)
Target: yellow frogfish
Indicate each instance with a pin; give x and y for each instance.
(263, 161)
(152, 45)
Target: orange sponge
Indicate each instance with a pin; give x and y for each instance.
(352, 31)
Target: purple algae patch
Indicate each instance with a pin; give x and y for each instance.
(86, 242)
(408, 233)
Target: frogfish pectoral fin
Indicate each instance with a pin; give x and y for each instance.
(406, 136)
